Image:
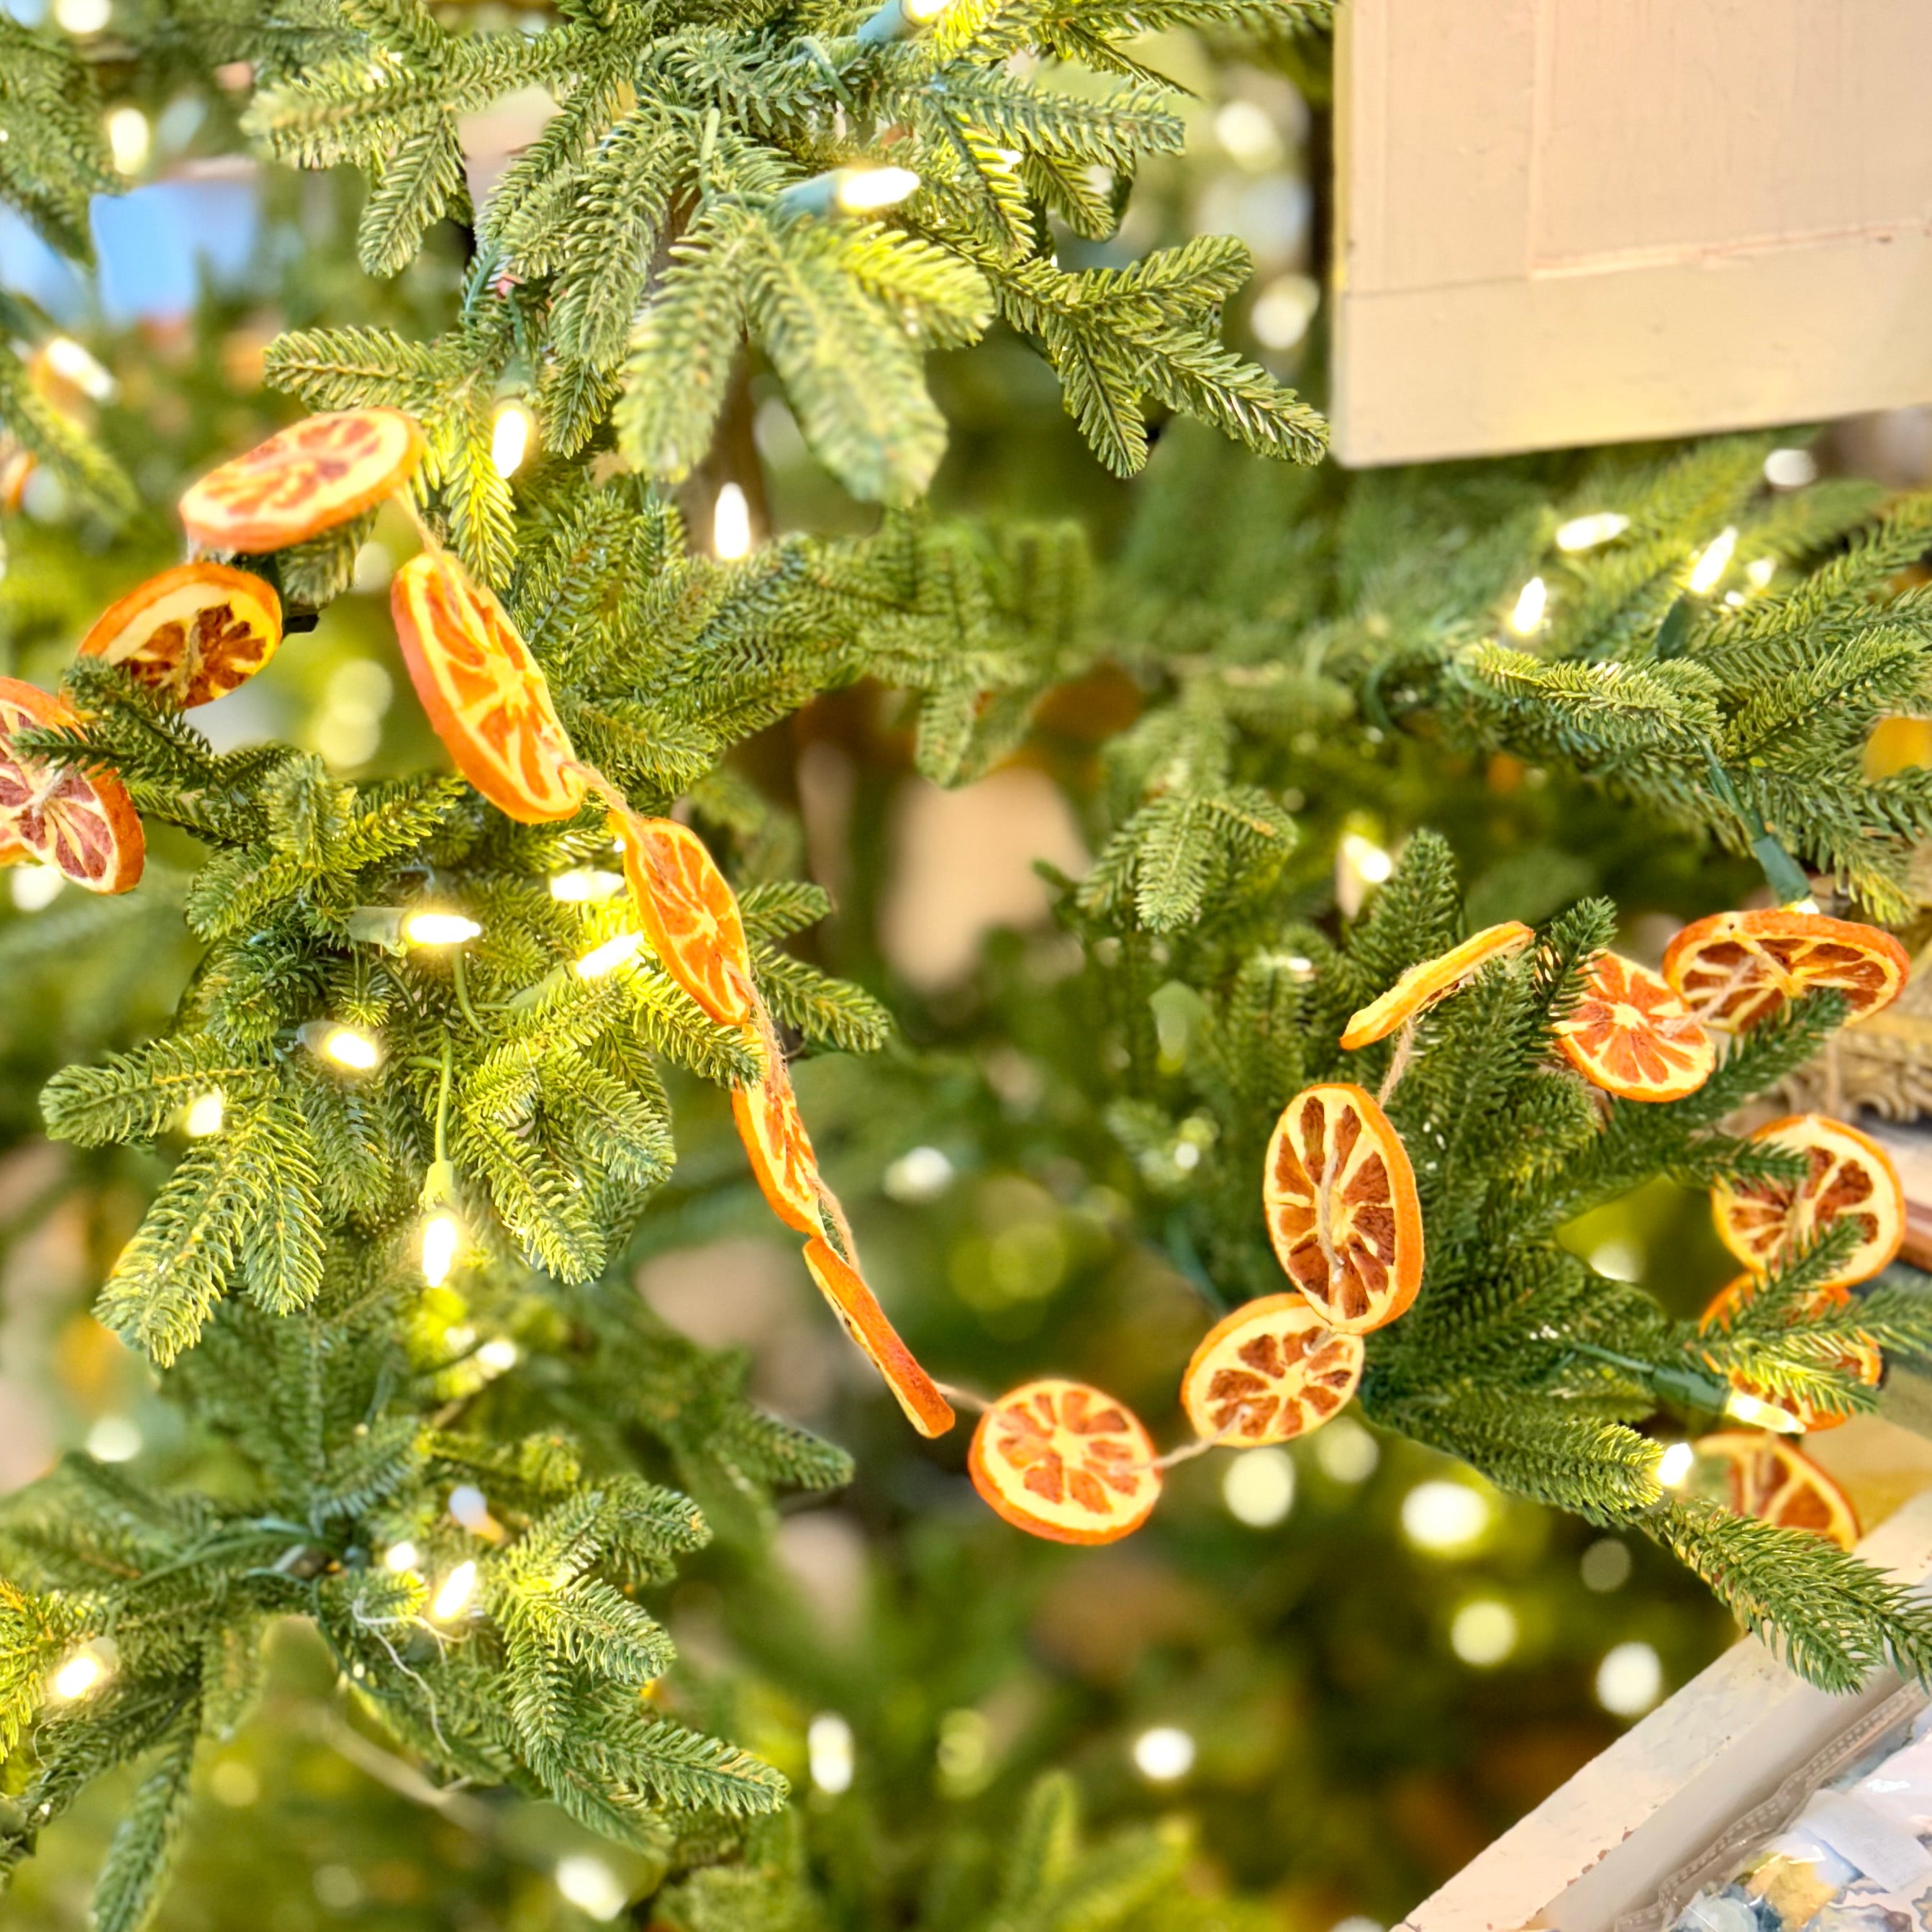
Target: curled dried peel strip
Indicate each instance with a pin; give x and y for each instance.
(1735, 969)
(689, 914)
(1268, 1372)
(1343, 1211)
(1848, 1175)
(873, 1335)
(1063, 1461)
(81, 822)
(192, 633)
(317, 473)
(1631, 1036)
(1430, 980)
(1863, 1360)
(485, 695)
(1766, 1476)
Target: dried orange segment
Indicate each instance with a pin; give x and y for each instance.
(773, 1132)
(1061, 1460)
(857, 1308)
(689, 914)
(1863, 1360)
(192, 633)
(485, 694)
(1423, 985)
(81, 822)
(316, 474)
(1339, 1192)
(1270, 1372)
(1736, 968)
(1847, 1175)
(14, 850)
(1766, 1476)
(1630, 1035)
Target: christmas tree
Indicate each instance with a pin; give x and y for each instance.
(453, 1052)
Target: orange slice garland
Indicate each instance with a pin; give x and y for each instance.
(873, 1335)
(1343, 1212)
(689, 914)
(192, 633)
(1863, 1361)
(485, 694)
(1847, 1174)
(1270, 1372)
(1061, 1460)
(81, 822)
(1630, 1035)
(1766, 1477)
(1736, 968)
(316, 474)
(1423, 984)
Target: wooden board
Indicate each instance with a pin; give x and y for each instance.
(1569, 221)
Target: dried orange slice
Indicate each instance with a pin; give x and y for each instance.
(858, 1309)
(14, 849)
(1339, 1192)
(1423, 985)
(1766, 1477)
(689, 914)
(192, 633)
(1736, 968)
(1847, 1174)
(1061, 1460)
(81, 822)
(484, 693)
(1630, 1035)
(773, 1132)
(316, 474)
(1864, 1361)
(1269, 1372)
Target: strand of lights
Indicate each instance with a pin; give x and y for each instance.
(204, 1116)
(1713, 561)
(1531, 602)
(1601, 526)
(583, 884)
(342, 1045)
(1758, 1414)
(898, 20)
(730, 524)
(608, 957)
(513, 434)
(439, 929)
(855, 191)
(453, 1593)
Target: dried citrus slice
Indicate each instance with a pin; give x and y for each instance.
(689, 914)
(81, 823)
(484, 693)
(1343, 1213)
(1864, 1360)
(857, 1308)
(1423, 985)
(1061, 1460)
(1270, 1371)
(1766, 1477)
(1630, 1035)
(14, 850)
(316, 474)
(1766, 1224)
(1736, 968)
(192, 633)
(773, 1132)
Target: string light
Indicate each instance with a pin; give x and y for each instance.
(342, 1045)
(1714, 561)
(73, 364)
(730, 524)
(1531, 601)
(441, 1235)
(828, 1753)
(439, 928)
(1790, 468)
(1601, 526)
(498, 1355)
(34, 888)
(1673, 1466)
(591, 1885)
(583, 884)
(400, 1557)
(867, 190)
(513, 429)
(1164, 1754)
(453, 1595)
(1760, 571)
(204, 1116)
(79, 1674)
(608, 957)
(1741, 1407)
(129, 139)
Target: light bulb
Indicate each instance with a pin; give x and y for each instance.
(512, 432)
(1531, 602)
(399, 1557)
(453, 1593)
(129, 139)
(1164, 1754)
(203, 1116)
(72, 363)
(497, 1354)
(1760, 571)
(1713, 561)
(342, 1045)
(1601, 526)
(866, 191)
(1741, 1407)
(730, 524)
(923, 12)
(1673, 1466)
(582, 884)
(79, 1674)
(439, 928)
(441, 1235)
(608, 957)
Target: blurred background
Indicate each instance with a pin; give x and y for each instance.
(1330, 1673)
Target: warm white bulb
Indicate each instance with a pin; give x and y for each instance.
(1164, 1754)
(1531, 601)
(441, 1234)
(1760, 571)
(1601, 526)
(439, 928)
(1673, 1466)
(829, 1752)
(591, 1885)
(866, 191)
(1369, 862)
(730, 524)
(73, 364)
(129, 139)
(498, 1355)
(347, 1047)
(79, 1674)
(608, 957)
(1484, 1632)
(1630, 1679)
(453, 1593)
(512, 431)
(35, 888)
(1713, 561)
(203, 1116)
(399, 1557)
(1790, 468)
(82, 16)
(1446, 1517)
(1258, 1487)
(582, 884)
(921, 12)
(1751, 1409)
